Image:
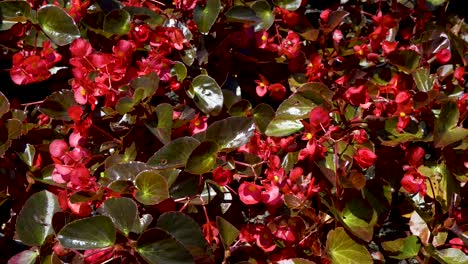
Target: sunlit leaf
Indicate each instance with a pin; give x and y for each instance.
(174, 154)
(228, 232)
(241, 14)
(446, 130)
(295, 107)
(206, 94)
(27, 154)
(203, 158)
(343, 249)
(88, 233)
(404, 247)
(117, 22)
(4, 104)
(123, 172)
(151, 188)
(279, 127)
(25, 257)
(423, 79)
(290, 5)
(360, 218)
(206, 16)
(263, 114)
(231, 132)
(453, 256)
(34, 222)
(57, 104)
(123, 212)
(57, 25)
(263, 10)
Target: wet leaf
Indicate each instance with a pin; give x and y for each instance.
(227, 231)
(203, 158)
(157, 247)
(343, 249)
(151, 188)
(34, 222)
(174, 154)
(57, 25)
(283, 127)
(290, 5)
(117, 22)
(57, 104)
(263, 10)
(88, 233)
(206, 16)
(206, 94)
(231, 132)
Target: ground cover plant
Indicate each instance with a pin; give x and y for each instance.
(208, 131)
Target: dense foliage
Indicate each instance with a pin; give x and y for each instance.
(208, 131)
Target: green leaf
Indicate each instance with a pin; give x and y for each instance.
(117, 22)
(34, 222)
(88, 233)
(203, 158)
(125, 105)
(123, 172)
(151, 187)
(27, 154)
(130, 153)
(158, 247)
(394, 137)
(57, 25)
(295, 261)
(295, 107)
(147, 84)
(263, 114)
(360, 218)
(423, 79)
(263, 10)
(14, 128)
(124, 214)
(407, 247)
(206, 94)
(406, 60)
(164, 128)
(179, 70)
(231, 132)
(446, 130)
(453, 256)
(316, 92)
(290, 5)
(227, 231)
(57, 104)
(25, 257)
(174, 154)
(240, 108)
(4, 104)
(283, 127)
(15, 9)
(153, 19)
(205, 17)
(184, 229)
(343, 249)
(241, 14)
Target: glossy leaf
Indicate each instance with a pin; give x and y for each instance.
(179, 70)
(227, 231)
(240, 108)
(341, 248)
(295, 261)
(423, 79)
(404, 247)
(124, 214)
(360, 218)
(88, 233)
(184, 229)
(283, 127)
(4, 104)
(14, 9)
(206, 16)
(295, 107)
(34, 222)
(57, 104)
(25, 257)
(117, 22)
(446, 130)
(153, 18)
(57, 25)
(263, 114)
(231, 132)
(316, 92)
(123, 172)
(206, 94)
(241, 14)
(164, 127)
(151, 187)
(159, 247)
(263, 10)
(453, 256)
(290, 5)
(203, 158)
(174, 154)
(27, 154)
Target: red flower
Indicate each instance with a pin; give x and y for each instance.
(458, 74)
(314, 67)
(319, 118)
(365, 158)
(357, 95)
(414, 156)
(388, 47)
(271, 196)
(250, 193)
(221, 176)
(198, 124)
(210, 232)
(264, 238)
(58, 148)
(262, 86)
(277, 91)
(443, 56)
(361, 51)
(28, 69)
(413, 182)
(290, 46)
(360, 136)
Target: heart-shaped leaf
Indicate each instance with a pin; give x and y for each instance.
(57, 25)
(228, 232)
(343, 249)
(263, 10)
(283, 127)
(184, 229)
(34, 222)
(174, 154)
(290, 5)
(146, 85)
(151, 187)
(206, 94)
(57, 104)
(157, 246)
(123, 212)
(203, 158)
(407, 247)
(88, 233)
(206, 16)
(231, 132)
(263, 114)
(123, 172)
(360, 218)
(117, 22)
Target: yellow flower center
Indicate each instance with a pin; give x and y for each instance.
(402, 114)
(309, 136)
